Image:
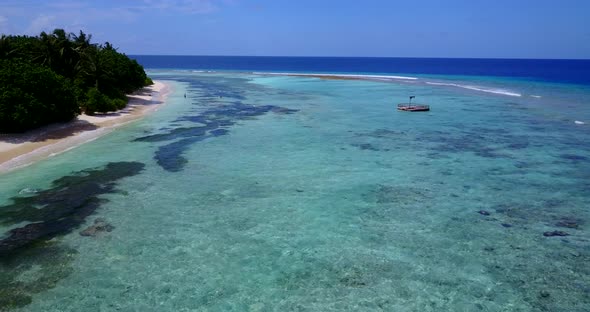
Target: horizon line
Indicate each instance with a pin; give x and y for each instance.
(397, 57)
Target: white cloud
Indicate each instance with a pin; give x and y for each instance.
(3, 25)
(33, 16)
(41, 23)
(75, 17)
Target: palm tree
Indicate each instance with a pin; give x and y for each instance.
(57, 52)
(46, 54)
(6, 49)
(81, 41)
(67, 55)
(91, 66)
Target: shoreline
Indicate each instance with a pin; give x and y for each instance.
(22, 149)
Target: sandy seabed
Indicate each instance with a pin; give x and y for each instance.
(18, 150)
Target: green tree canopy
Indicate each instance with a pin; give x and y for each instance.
(40, 75)
(32, 96)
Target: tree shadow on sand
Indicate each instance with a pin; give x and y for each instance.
(50, 132)
(64, 130)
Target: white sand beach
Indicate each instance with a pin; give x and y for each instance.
(18, 150)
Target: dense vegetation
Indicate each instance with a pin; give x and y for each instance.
(53, 77)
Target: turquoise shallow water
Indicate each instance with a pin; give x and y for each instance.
(271, 193)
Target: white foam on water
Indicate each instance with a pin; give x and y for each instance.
(536, 96)
(477, 88)
(377, 77)
(28, 190)
(577, 122)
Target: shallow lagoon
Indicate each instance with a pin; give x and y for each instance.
(270, 193)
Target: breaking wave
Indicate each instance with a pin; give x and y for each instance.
(353, 76)
(477, 88)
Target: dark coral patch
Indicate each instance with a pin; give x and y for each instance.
(555, 233)
(483, 142)
(183, 132)
(573, 157)
(219, 132)
(61, 208)
(50, 263)
(283, 110)
(218, 105)
(367, 147)
(100, 225)
(571, 223)
(170, 156)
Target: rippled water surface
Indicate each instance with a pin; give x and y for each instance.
(274, 193)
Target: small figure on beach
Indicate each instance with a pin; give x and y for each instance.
(185, 95)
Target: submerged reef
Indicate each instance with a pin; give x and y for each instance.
(61, 208)
(100, 225)
(395, 194)
(33, 271)
(30, 262)
(555, 233)
(212, 122)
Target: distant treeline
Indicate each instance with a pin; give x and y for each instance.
(53, 77)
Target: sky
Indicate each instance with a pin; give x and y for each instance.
(377, 28)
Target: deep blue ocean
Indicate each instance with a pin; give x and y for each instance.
(561, 71)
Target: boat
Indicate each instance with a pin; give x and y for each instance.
(413, 107)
